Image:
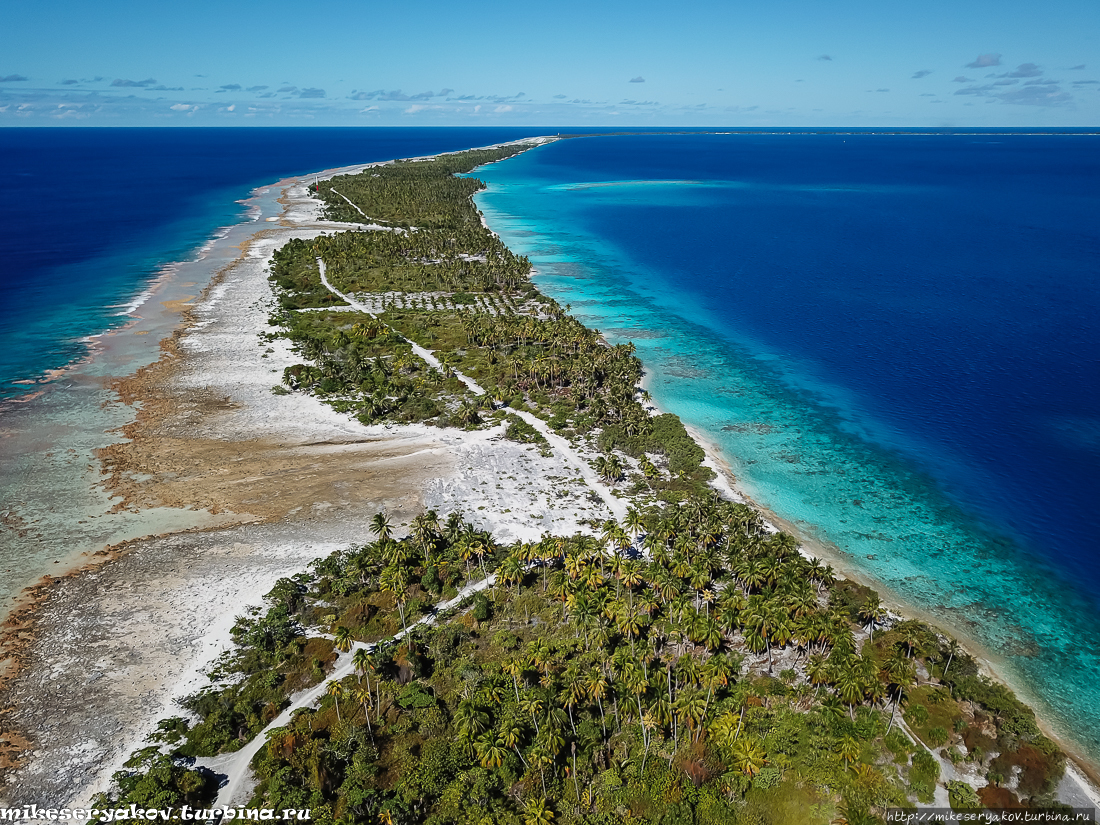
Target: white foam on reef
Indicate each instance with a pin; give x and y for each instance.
(133, 304)
(217, 236)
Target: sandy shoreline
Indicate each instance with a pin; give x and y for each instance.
(279, 481)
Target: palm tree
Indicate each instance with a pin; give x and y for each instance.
(533, 706)
(380, 526)
(470, 721)
(425, 527)
(631, 576)
(536, 812)
(336, 690)
(510, 736)
(609, 468)
(749, 756)
(574, 694)
(872, 612)
(649, 724)
(361, 661)
(542, 758)
(491, 752)
(597, 689)
(849, 750)
(901, 675)
(914, 634)
(511, 571)
(629, 624)
(710, 634)
(690, 710)
(344, 639)
(817, 671)
(952, 648)
(764, 620)
(393, 580)
(514, 667)
(849, 683)
(363, 696)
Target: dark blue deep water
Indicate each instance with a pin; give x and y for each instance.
(894, 341)
(89, 215)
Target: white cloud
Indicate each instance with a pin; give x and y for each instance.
(503, 109)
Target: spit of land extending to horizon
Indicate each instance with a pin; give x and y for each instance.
(365, 399)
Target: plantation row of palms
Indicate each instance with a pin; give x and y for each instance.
(555, 358)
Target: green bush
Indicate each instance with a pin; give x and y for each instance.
(667, 437)
(917, 715)
(1015, 717)
(962, 797)
(519, 430)
(155, 780)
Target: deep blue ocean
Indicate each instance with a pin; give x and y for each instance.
(894, 340)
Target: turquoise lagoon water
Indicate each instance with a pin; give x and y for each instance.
(892, 341)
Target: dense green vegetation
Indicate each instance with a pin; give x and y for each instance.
(294, 272)
(423, 193)
(360, 366)
(156, 780)
(720, 677)
(452, 260)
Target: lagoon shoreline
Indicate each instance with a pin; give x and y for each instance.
(241, 426)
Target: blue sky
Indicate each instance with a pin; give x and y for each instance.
(761, 63)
